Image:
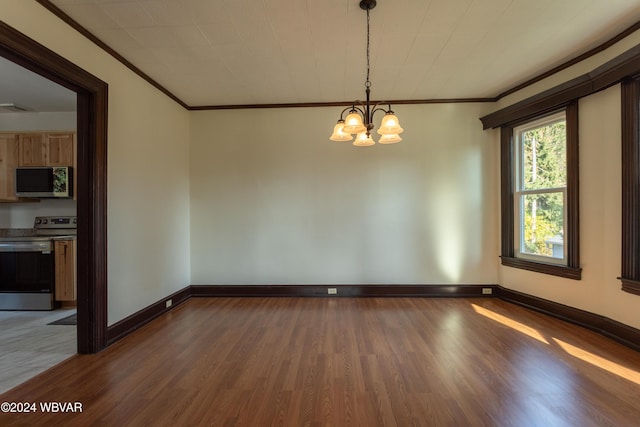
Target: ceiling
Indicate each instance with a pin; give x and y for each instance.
(30, 92)
(234, 52)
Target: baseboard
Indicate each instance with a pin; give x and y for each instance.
(343, 290)
(140, 318)
(610, 328)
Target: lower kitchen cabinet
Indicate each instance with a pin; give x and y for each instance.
(65, 260)
(8, 161)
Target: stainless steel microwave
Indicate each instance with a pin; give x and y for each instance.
(49, 181)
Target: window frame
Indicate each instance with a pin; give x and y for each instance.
(570, 268)
(520, 190)
(630, 257)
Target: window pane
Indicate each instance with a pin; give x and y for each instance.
(543, 224)
(544, 156)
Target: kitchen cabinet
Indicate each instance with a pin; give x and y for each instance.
(65, 266)
(33, 149)
(60, 149)
(46, 149)
(8, 162)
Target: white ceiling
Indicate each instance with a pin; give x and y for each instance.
(226, 52)
(31, 92)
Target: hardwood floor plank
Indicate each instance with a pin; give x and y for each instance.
(345, 362)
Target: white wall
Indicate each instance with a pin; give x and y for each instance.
(273, 201)
(21, 215)
(148, 163)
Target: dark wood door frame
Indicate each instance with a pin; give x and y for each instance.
(92, 172)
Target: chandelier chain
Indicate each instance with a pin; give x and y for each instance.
(367, 84)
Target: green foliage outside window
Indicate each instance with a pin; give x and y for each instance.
(544, 167)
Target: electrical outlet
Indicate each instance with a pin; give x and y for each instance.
(332, 291)
(168, 303)
(487, 291)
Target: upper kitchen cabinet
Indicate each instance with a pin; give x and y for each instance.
(9, 150)
(60, 149)
(47, 149)
(33, 149)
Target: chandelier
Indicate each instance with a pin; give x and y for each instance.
(359, 121)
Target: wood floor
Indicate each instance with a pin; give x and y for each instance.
(344, 361)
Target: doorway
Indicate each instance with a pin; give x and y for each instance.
(92, 167)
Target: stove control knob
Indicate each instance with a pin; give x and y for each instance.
(75, 220)
(38, 221)
(45, 221)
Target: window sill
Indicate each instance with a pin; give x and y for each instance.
(540, 267)
(631, 286)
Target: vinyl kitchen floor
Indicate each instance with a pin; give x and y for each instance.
(28, 346)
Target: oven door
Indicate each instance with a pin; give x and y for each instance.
(27, 275)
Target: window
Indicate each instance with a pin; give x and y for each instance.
(624, 69)
(539, 180)
(541, 189)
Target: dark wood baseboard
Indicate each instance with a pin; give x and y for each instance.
(610, 328)
(342, 290)
(615, 330)
(129, 324)
(140, 318)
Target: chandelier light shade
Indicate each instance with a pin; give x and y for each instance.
(363, 139)
(339, 134)
(359, 120)
(390, 125)
(390, 139)
(353, 123)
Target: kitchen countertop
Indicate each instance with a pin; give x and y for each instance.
(14, 234)
(66, 237)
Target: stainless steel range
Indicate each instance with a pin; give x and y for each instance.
(27, 263)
